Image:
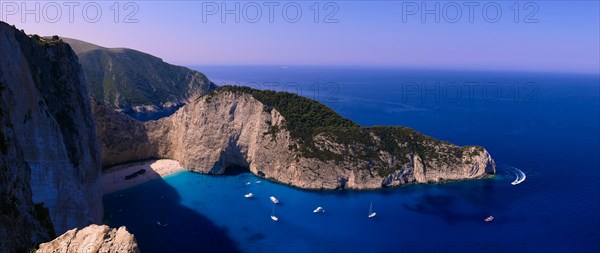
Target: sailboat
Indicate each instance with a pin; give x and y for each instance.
(273, 217)
(371, 213)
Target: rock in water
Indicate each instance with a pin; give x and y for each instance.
(92, 239)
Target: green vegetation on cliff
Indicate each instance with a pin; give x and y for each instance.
(124, 77)
(368, 142)
(304, 118)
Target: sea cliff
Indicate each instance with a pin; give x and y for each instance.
(49, 151)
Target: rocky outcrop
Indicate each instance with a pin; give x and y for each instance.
(234, 128)
(92, 239)
(50, 154)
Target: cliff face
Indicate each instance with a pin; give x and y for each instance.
(50, 148)
(20, 226)
(231, 128)
(92, 239)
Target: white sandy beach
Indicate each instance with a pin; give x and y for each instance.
(113, 179)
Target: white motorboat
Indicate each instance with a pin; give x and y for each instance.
(371, 213)
(273, 217)
(249, 195)
(319, 210)
(275, 200)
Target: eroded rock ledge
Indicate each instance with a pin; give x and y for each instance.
(92, 239)
(289, 139)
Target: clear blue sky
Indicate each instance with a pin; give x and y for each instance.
(370, 33)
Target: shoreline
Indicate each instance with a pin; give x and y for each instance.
(113, 179)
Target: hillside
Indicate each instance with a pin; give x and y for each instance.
(135, 81)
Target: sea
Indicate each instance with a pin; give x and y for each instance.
(542, 129)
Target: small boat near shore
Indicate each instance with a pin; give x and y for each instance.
(249, 195)
(275, 200)
(319, 210)
(258, 182)
(273, 217)
(371, 213)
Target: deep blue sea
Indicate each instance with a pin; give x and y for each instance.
(546, 125)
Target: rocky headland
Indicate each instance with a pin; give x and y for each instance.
(288, 139)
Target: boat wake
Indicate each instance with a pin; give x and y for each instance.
(519, 174)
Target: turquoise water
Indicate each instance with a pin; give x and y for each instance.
(342, 227)
(550, 131)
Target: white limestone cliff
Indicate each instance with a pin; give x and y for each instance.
(46, 109)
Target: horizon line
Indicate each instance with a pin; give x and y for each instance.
(398, 67)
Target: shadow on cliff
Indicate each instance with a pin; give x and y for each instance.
(154, 214)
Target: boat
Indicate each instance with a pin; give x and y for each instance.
(258, 182)
(319, 210)
(248, 183)
(275, 200)
(273, 217)
(489, 218)
(160, 224)
(249, 195)
(371, 213)
(519, 176)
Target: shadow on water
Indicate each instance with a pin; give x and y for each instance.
(160, 223)
(456, 202)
